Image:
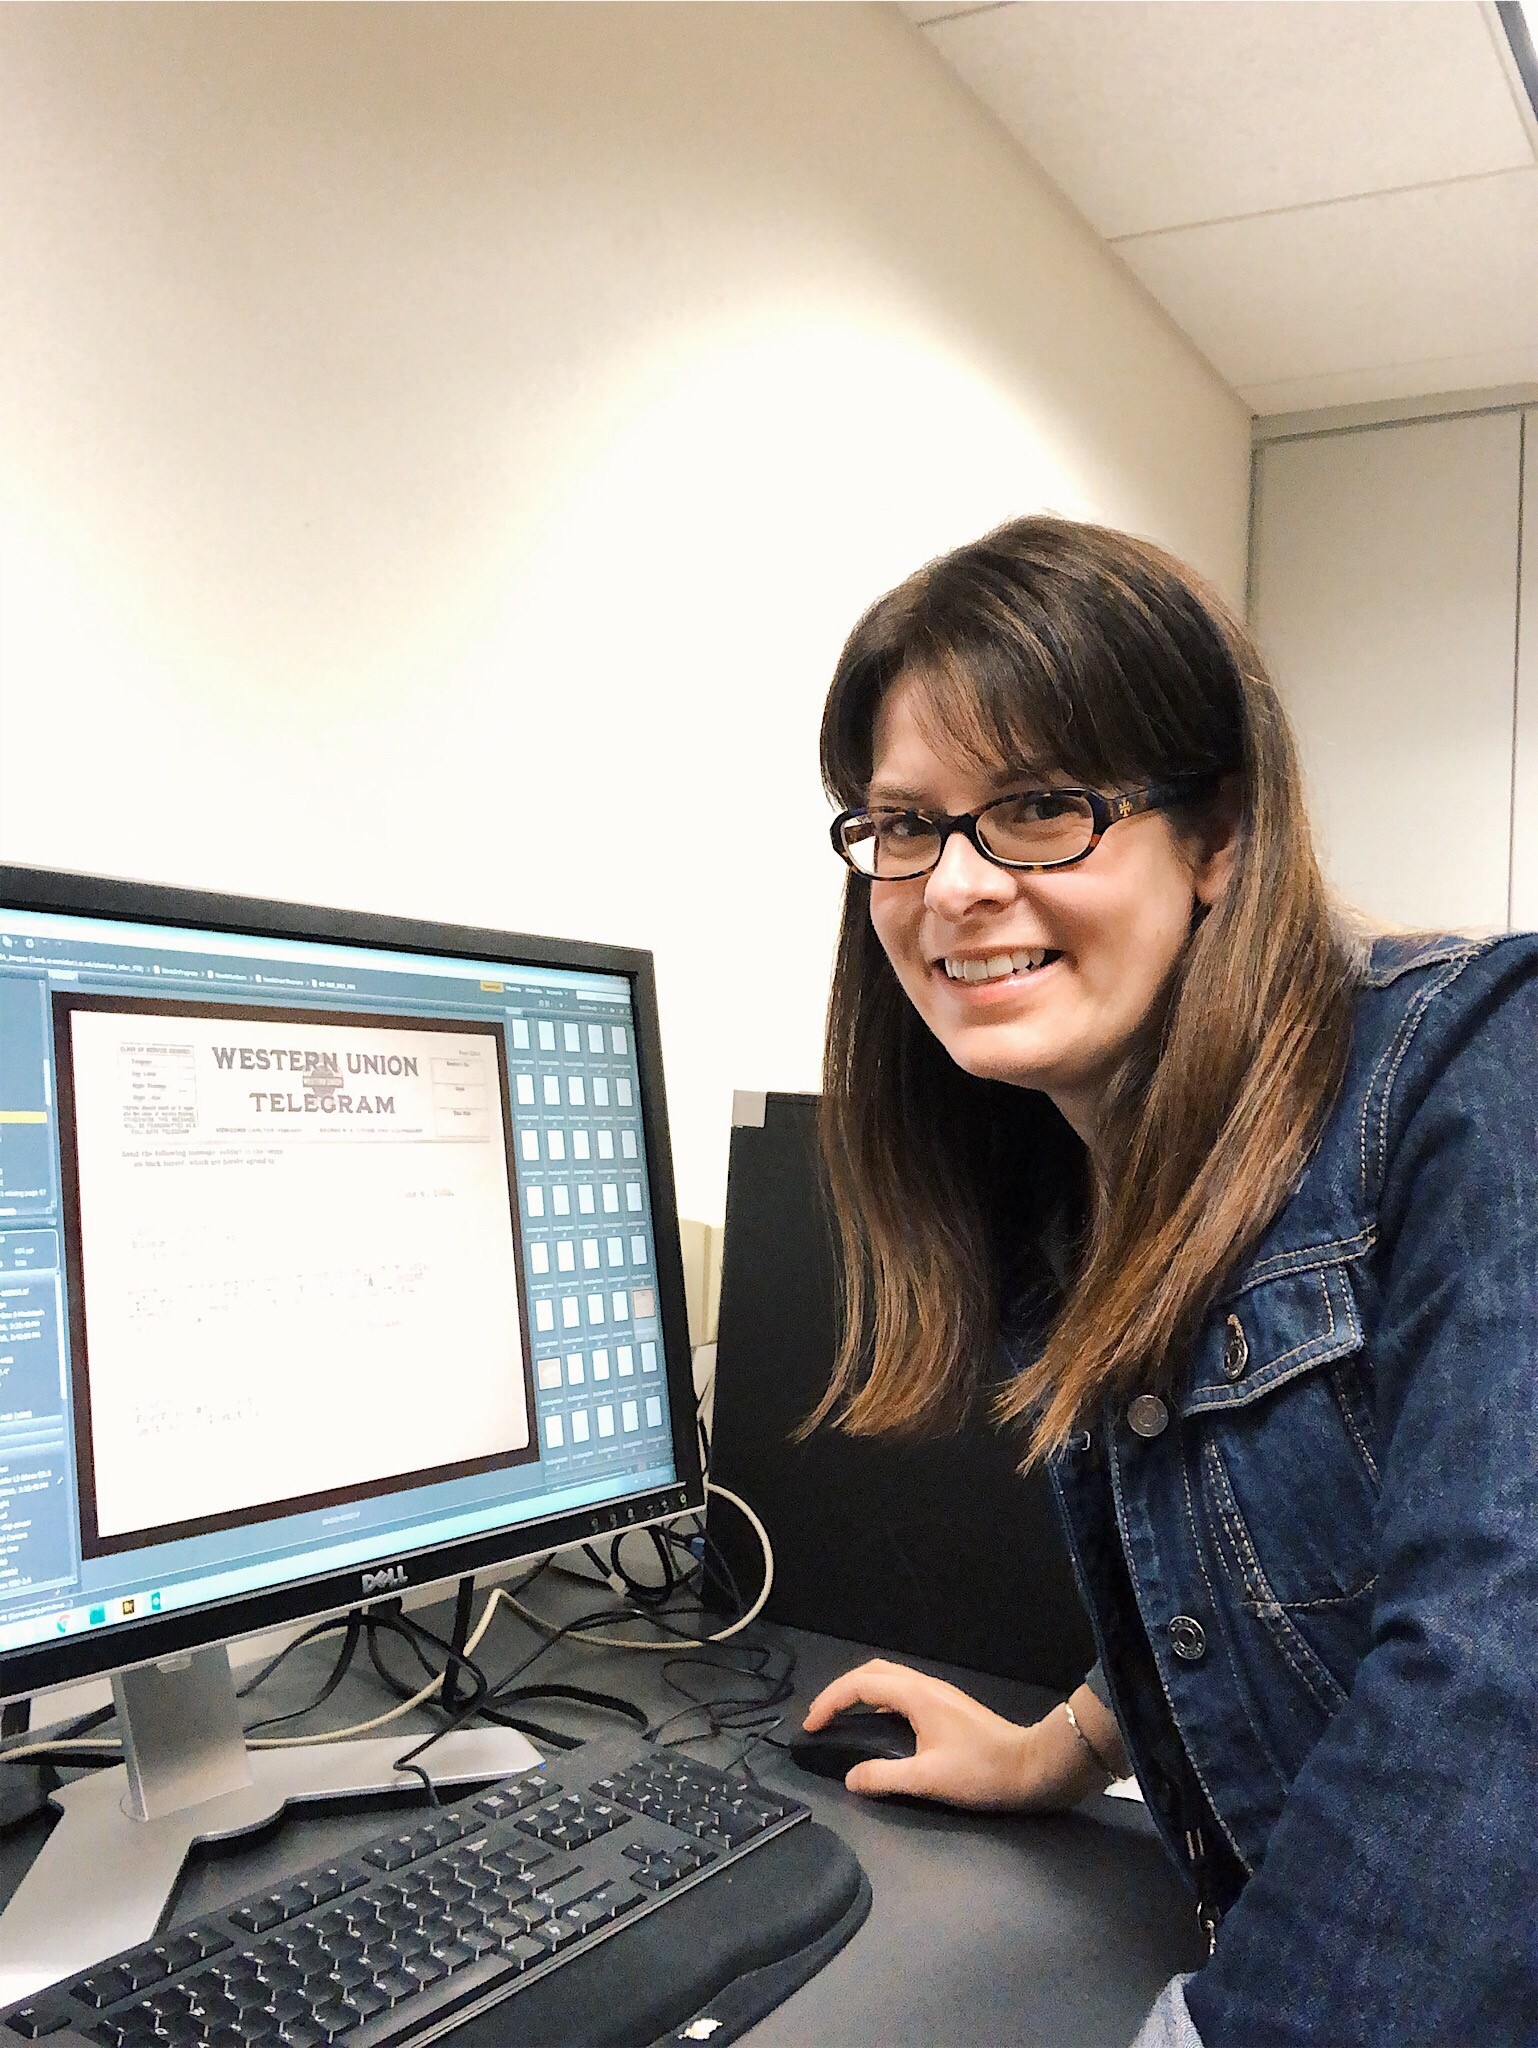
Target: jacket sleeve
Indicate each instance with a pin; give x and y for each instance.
(1398, 1898)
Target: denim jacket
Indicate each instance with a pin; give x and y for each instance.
(1331, 1536)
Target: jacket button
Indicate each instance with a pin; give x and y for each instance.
(1148, 1416)
(1188, 1638)
(1236, 1351)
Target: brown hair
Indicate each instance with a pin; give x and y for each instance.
(1101, 654)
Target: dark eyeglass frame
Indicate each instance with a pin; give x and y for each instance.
(1107, 808)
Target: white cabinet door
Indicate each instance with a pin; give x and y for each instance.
(1524, 807)
(1384, 597)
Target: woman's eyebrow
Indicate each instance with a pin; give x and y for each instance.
(901, 796)
(897, 795)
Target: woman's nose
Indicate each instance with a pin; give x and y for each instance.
(962, 880)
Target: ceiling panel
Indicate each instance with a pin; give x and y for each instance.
(1151, 115)
(1419, 277)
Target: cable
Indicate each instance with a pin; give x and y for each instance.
(110, 1748)
(579, 1631)
(721, 1635)
(339, 1670)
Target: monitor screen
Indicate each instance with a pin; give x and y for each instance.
(336, 1254)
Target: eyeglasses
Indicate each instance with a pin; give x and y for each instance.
(1034, 830)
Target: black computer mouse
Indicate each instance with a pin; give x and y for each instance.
(855, 1736)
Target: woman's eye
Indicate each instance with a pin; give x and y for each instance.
(1039, 807)
(903, 825)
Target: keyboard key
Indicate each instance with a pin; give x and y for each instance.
(514, 1798)
(517, 1860)
(558, 1932)
(390, 1855)
(521, 1952)
(367, 2000)
(183, 1950)
(105, 1988)
(613, 1899)
(258, 1916)
(508, 1926)
(144, 1969)
(32, 2022)
(302, 2033)
(334, 2019)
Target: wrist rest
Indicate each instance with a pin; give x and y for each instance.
(727, 1952)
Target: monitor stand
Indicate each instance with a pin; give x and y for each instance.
(105, 1876)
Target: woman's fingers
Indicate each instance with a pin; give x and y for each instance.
(883, 1778)
(877, 1684)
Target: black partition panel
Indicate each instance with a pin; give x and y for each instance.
(937, 1549)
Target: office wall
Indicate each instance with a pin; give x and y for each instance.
(442, 450)
(1387, 580)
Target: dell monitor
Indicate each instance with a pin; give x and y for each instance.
(338, 1256)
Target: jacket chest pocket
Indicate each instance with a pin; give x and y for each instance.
(1280, 1416)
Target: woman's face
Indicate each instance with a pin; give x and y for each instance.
(1103, 935)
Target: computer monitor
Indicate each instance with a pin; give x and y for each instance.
(338, 1256)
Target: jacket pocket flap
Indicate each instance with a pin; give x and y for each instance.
(1270, 1333)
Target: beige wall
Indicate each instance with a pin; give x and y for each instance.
(442, 449)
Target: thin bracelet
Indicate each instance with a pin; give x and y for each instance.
(1073, 1722)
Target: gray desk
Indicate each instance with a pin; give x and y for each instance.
(1050, 1932)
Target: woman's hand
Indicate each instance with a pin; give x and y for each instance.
(966, 1754)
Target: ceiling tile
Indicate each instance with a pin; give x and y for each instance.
(1163, 112)
(1396, 280)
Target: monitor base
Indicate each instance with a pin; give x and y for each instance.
(103, 1879)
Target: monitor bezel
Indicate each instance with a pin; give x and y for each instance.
(127, 1645)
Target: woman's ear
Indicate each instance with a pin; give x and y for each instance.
(1214, 843)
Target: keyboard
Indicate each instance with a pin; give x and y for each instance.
(426, 1926)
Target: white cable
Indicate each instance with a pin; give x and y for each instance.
(674, 1645)
(64, 1747)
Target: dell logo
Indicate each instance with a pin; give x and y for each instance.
(386, 1580)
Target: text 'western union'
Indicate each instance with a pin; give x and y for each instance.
(279, 1059)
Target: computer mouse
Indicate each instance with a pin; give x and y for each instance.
(856, 1736)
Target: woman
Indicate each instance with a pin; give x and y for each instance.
(1233, 1215)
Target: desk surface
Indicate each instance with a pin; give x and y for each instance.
(1054, 1931)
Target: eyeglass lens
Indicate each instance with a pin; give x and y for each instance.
(1041, 828)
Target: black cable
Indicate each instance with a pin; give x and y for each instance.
(607, 1702)
(642, 1590)
(376, 1625)
(459, 1635)
(339, 1670)
(309, 1635)
(504, 1687)
(729, 1712)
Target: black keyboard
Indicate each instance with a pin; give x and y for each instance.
(420, 1929)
